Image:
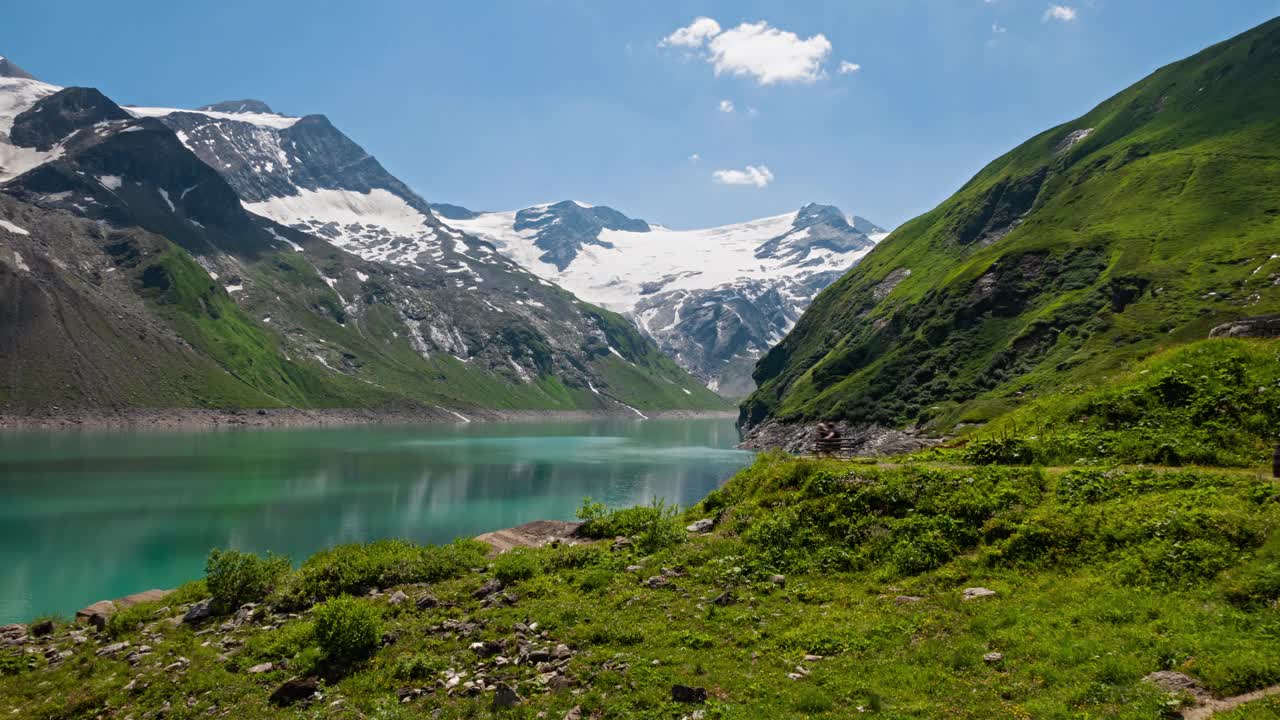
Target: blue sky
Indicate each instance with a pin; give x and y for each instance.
(499, 105)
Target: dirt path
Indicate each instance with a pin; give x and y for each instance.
(1212, 706)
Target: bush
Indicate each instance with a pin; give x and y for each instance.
(652, 527)
(347, 629)
(235, 578)
(516, 565)
(999, 451)
(352, 569)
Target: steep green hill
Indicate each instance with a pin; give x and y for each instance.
(1139, 226)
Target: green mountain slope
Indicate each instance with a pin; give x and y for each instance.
(1141, 225)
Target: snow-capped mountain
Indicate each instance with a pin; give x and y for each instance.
(714, 299)
(262, 207)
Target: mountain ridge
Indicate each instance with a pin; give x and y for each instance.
(1137, 226)
(264, 315)
(713, 299)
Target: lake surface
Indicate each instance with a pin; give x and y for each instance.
(93, 515)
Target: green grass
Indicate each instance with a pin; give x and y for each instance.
(1142, 236)
(1098, 584)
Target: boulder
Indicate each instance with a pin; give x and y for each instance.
(265, 667)
(702, 526)
(112, 649)
(976, 593)
(11, 635)
(505, 697)
(1176, 683)
(200, 611)
(686, 694)
(294, 690)
(490, 587)
(993, 658)
(398, 598)
(96, 614)
(426, 601)
(42, 628)
(779, 580)
(1262, 326)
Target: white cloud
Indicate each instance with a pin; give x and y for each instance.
(757, 175)
(1061, 13)
(695, 158)
(752, 112)
(726, 106)
(693, 35)
(998, 29)
(768, 55)
(847, 67)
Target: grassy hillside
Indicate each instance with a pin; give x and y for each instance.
(825, 587)
(1139, 226)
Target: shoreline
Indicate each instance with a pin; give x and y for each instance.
(209, 419)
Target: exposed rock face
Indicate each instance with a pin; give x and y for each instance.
(1263, 326)
(10, 70)
(858, 439)
(240, 106)
(562, 229)
(532, 534)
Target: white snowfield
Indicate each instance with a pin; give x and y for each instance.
(279, 122)
(685, 259)
(17, 95)
(351, 211)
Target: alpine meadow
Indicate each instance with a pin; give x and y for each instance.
(301, 443)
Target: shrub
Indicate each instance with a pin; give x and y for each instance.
(999, 451)
(347, 629)
(235, 578)
(516, 565)
(352, 569)
(652, 527)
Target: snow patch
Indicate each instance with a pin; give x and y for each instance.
(279, 122)
(164, 194)
(110, 182)
(22, 264)
(13, 228)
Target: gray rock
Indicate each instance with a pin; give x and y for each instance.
(42, 628)
(198, 612)
(977, 593)
(778, 580)
(398, 598)
(265, 667)
(993, 658)
(1176, 683)
(295, 690)
(426, 601)
(702, 526)
(686, 694)
(97, 614)
(505, 697)
(490, 587)
(1263, 326)
(11, 635)
(907, 599)
(112, 649)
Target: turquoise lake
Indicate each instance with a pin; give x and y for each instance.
(94, 515)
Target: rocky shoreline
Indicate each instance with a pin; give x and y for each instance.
(202, 418)
(857, 439)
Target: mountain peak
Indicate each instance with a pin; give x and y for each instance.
(239, 106)
(9, 70)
